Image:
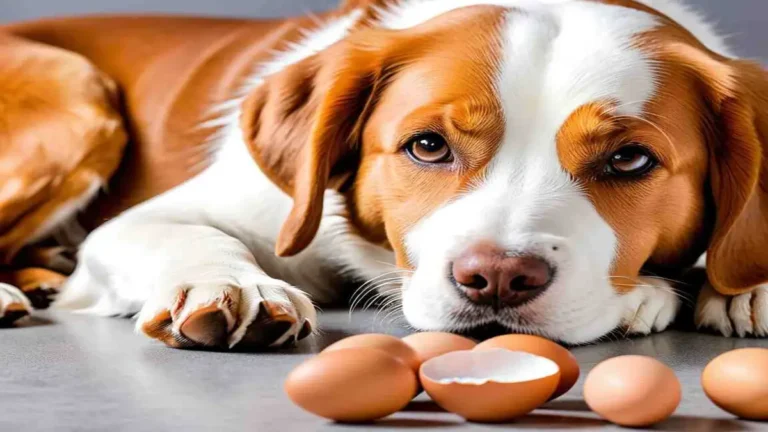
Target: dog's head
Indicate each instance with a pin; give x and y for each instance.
(526, 165)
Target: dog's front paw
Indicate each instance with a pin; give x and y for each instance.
(14, 305)
(744, 314)
(651, 306)
(267, 313)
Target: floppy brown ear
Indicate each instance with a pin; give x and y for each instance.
(737, 258)
(303, 125)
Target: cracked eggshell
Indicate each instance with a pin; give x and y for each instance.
(492, 385)
(352, 384)
(433, 344)
(569, 367)
(387, 343)
(737, 381)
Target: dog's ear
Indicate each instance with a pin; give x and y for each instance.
(737, 92)
(303, 127)
(737, 258)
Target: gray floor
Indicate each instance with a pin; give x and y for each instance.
(65, 372)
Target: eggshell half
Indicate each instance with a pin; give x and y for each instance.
(429, 345)
(387, 343)
(737, 382)
(634, 391)
(352, 384)
(569, 367)
(491, 385)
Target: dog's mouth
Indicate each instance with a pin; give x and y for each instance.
(485, 331)
(488, 331)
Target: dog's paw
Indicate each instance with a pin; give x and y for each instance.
(269, 313)
(651, 306)
(13, 305)
(745, 314)
(39, 285)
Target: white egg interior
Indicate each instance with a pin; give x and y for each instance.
(496, 365)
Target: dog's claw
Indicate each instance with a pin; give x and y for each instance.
(12, 313)
(271, 323)
(306, 330)
(41, 297)
(207, 327)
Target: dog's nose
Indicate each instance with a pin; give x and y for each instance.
(488, 275)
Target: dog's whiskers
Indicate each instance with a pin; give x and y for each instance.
(382, 294)
(371, 285)
(394, 313)
(683, 295)
(390, 303)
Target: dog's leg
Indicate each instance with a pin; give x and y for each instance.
(651, 306)
(39, 285)
(21, 290)
(191, 285)
(745, 314)
(65, 138)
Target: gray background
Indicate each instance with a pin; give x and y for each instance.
(745, 21)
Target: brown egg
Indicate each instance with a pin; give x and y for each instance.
(352, 384)
(389, 344)
(737, 382)
(569, 367)
(432, 344)
(491, 385)
(632, 390)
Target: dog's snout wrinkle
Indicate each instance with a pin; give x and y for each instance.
(488, 275)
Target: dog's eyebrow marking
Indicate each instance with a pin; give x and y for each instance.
(473, 117)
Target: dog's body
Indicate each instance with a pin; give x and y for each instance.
(203, 99)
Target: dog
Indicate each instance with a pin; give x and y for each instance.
(545, 166)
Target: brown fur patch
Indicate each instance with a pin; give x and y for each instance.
(159, 327)
(61, 134)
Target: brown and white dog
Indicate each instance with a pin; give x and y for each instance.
(539, 165)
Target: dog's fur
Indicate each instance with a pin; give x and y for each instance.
(273, 154)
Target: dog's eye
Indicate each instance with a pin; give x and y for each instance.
(632, 160)
(429, 148)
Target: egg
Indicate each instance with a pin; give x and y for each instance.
(389, 344)
(632, 390)
(432, 344)
(352, 384)
(492, 385)
(737, 382)
(569, 367)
